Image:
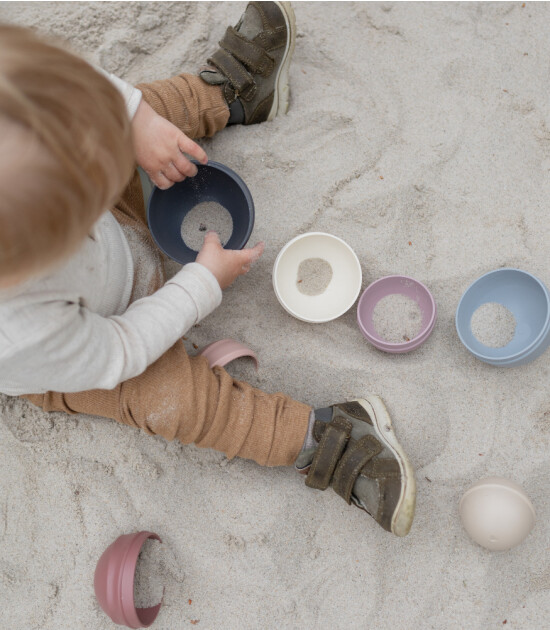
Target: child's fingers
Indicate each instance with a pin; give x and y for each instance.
(256, 251)
(250, 256)
(160, 180)
(184, 166)
(192, 148)
(172, 173)
(212, 238)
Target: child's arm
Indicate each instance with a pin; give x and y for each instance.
(158, 144)
(52, 342)
(227, 264)
(69, 348)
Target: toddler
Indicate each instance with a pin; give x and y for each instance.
(88, 322)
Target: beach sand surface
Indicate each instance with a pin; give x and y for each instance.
(420, 134)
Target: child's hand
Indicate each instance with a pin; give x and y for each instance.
(159, 147)
(227, 264)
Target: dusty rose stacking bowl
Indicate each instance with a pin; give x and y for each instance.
(391, 285)
(114, 581)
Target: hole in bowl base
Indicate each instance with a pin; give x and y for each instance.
(206, 216)
(397, 318)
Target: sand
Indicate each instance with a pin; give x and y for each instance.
(493, 324)
(204, 217)
(397, 318)
(314, 276)
(425, 123)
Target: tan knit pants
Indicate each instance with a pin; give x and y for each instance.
(180, 397)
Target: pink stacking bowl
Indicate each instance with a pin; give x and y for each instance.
(226, 350)
(391, 285)
(114, 581)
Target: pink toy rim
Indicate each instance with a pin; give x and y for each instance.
(224, 351)
(114, 581)
(391, 285)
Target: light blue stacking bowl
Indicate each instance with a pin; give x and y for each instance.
(529, 301)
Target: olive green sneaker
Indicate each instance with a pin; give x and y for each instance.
(356, 452)
(253, 62)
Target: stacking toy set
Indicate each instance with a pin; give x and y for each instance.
(520, 292)
(343, 289)
(495, 512)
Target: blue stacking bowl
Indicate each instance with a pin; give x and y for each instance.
(166, 209)
(529, 301)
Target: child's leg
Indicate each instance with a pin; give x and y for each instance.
(180, 397)
(188, 102)
(246, 80)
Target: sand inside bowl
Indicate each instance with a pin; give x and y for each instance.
(493, 325)
(314, 276)
(150, 574)
(205, 216)
(397, 318)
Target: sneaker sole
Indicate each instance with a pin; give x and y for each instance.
(404, 512)
(281, 95)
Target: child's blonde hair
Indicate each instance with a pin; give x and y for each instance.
(65, 150)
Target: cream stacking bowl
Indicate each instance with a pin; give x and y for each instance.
(340, 293)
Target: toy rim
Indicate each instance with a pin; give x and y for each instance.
(230, 350)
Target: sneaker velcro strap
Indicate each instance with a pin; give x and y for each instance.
(382, 469)
(253, 56)
(358, 453)
(237, 75)
(331, 447)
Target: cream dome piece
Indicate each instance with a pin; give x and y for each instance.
(497, 513)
